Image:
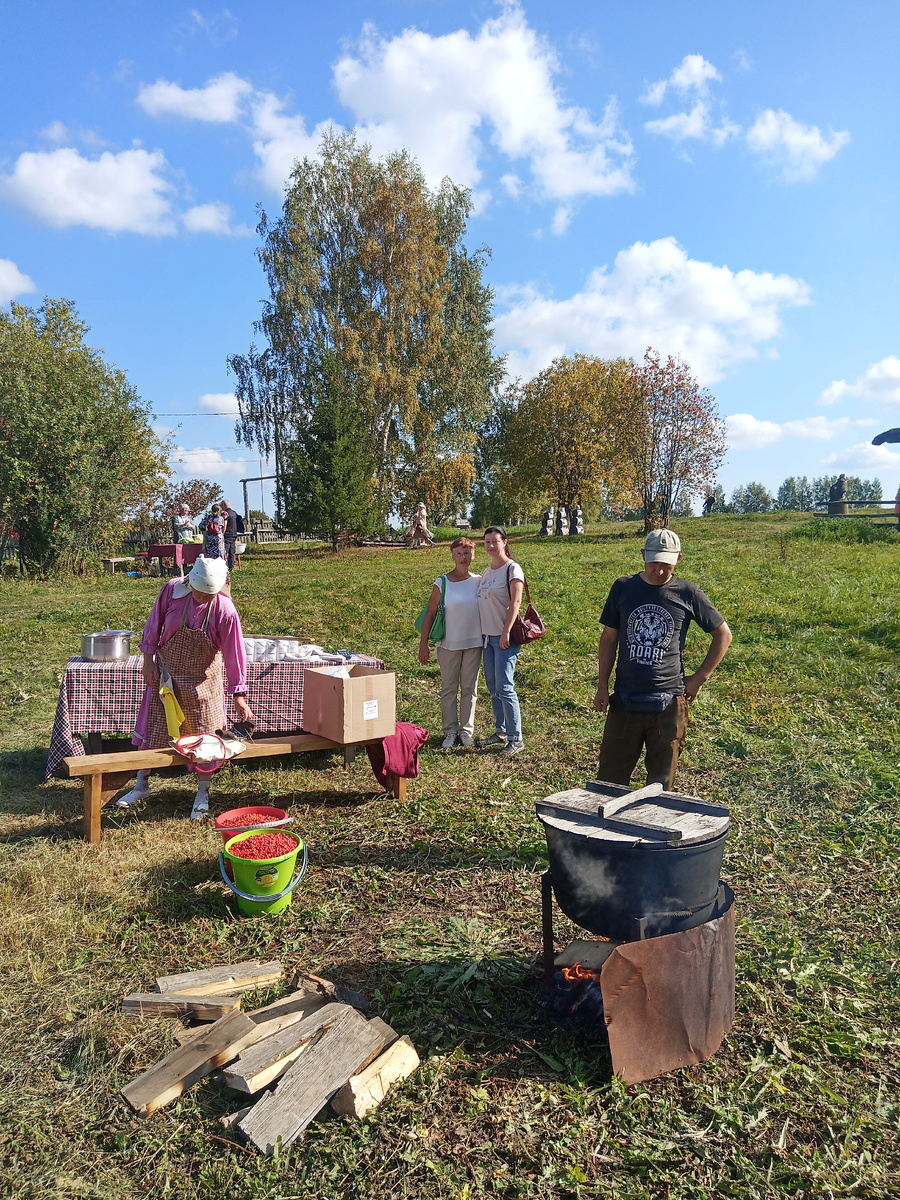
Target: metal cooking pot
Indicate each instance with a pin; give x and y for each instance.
(650, 868)
(108, 646)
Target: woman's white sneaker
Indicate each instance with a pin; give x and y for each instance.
(133, 797)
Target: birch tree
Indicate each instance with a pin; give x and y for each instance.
(368, 273)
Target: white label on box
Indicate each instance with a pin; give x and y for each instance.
(370, 710)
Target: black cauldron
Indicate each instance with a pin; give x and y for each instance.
(625, 886)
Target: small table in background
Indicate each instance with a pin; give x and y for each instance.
(182, 552)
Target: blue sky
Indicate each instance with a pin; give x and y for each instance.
(716, 179)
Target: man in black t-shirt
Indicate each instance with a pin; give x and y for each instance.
(231, 532)
(645, 621)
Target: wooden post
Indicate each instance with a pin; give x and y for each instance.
(98, 789)
(396, 786)
(349, 756)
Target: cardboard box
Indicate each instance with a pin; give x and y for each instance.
(358, 709)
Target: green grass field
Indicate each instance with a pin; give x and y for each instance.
(431, 907)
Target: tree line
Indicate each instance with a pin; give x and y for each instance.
(796, 494)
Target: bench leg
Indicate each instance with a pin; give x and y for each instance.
(98, 790)
(396, 786)
(349, 756)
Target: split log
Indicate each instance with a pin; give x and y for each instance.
(367, 1088)
(181, 1069)
(175, 1004)
(286, 1011)
(267, 1058)
(227, 980)
(390, 1035)
(341, 1051)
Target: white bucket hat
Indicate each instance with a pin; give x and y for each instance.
(208, 575)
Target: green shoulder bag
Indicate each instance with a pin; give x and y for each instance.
(439, 625)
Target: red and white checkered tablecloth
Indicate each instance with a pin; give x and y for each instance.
(104, 697)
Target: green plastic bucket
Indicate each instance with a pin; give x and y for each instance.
(262, 885)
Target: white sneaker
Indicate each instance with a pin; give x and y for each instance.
(132, 797)
(449, 742)
(201, 808)
(465, 739)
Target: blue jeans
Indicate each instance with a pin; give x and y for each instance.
(499, 670)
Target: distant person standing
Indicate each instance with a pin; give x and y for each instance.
(182, 525)
(214, 534)
(230, 532)
(709, 503)
(645, 622)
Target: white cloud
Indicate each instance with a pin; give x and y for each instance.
(880, 383)
(693, 73)
(118, 192)
(204, 462)
(747, 433)
(446, 99)
(126, 192)
(823, 428)
(12, 282)
(213, 218)
(439, 96)
(220, 101)
(654, 295)
(219, 402)
(279, 140)
(800, 150)
(864, 456)
(694, 124)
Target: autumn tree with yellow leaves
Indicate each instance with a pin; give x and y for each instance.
(560, 440)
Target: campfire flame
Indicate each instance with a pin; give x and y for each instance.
(570, 974)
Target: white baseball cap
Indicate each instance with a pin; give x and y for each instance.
(662, 545)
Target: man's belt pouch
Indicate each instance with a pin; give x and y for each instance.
(645, 702)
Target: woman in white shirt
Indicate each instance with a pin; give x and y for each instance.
(459, 654)
(499, 598)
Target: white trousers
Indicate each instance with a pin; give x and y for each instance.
(459, 686)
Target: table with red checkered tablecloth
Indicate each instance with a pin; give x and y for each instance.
(104, 697)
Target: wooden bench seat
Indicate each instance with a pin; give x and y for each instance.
(105, 775)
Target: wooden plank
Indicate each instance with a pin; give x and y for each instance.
(608, 808)
(137, 760)
(308, 1083)
(390, 1035)
(643, 829)
(182, 1068)
(171, 1004)
(286, 1011)
(229, 979)
(268, 1057)
(367, 1088)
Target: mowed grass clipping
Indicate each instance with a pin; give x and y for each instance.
(432, 908)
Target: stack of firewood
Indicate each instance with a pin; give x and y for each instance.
(311, 1046)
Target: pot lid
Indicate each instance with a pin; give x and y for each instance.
(606, 811)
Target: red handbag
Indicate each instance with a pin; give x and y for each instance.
(530, 627)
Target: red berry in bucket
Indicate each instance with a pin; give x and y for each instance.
(262, 846)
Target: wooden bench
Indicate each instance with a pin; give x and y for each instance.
(106, 774)
(109, 564)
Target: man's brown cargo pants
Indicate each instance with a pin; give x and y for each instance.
(625, 735)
